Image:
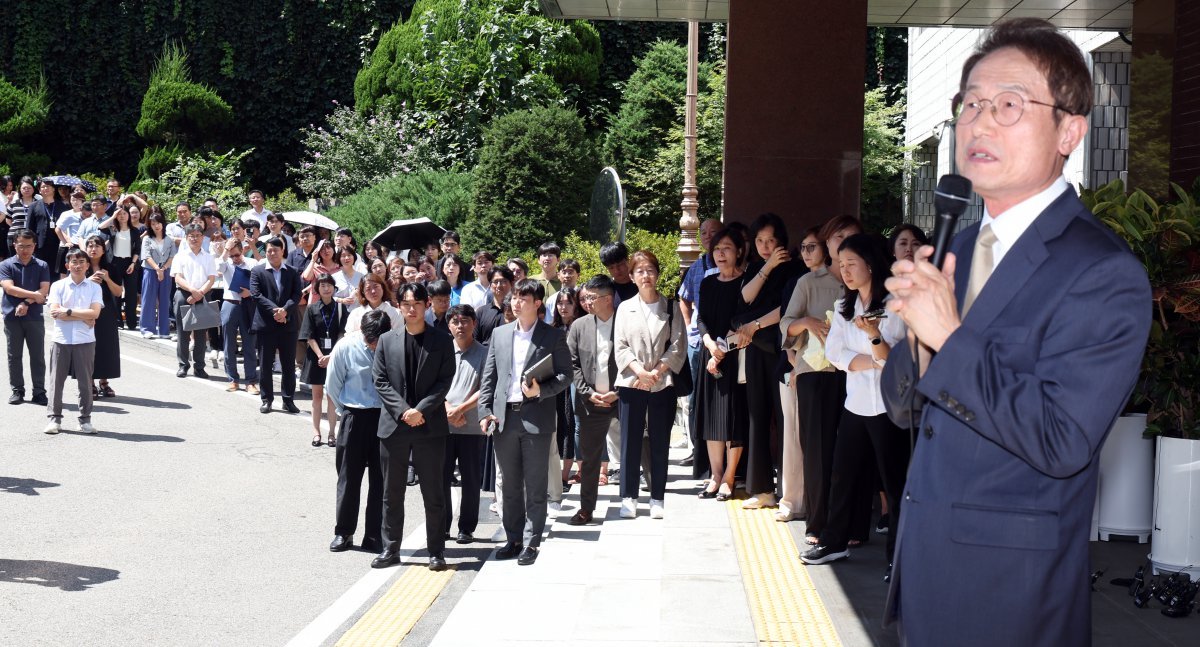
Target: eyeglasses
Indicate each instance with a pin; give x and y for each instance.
(810, 248)
(594, 297)
(1007, 108)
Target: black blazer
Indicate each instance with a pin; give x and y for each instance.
(267, 298)
(435, 372)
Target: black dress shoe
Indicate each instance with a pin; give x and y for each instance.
(181, 372)
(687, 462)
(341, 543)
(200, 373)
(290, 406)
(389, 557)
(509, 551)
(16, 398)
(372, 544)
(265, 407)
(464, 538)
(528, 556)
(437, 562)
(39, 399)
(580, 518)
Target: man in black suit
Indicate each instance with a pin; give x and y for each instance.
(594, 357)
(275, 288)
(523, 415)
(414, 368)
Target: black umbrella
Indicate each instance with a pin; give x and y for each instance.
(69, 180)
(409, 234)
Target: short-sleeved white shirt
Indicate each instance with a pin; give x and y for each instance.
(75, 296)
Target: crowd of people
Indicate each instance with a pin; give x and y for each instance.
(428, 366)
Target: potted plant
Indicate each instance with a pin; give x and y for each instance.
(1165, 238)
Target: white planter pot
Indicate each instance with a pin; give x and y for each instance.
(1176, 544)
(1126, 481)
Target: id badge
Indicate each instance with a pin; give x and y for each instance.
(326, 343)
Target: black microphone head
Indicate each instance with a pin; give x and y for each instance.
(953, 195)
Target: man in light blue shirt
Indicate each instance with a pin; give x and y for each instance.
(90, 225)
(351, 385)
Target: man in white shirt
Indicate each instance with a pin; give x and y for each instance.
(257, 211)
(183, 218)
(75, 303)
(194, 271)
(275, 230)
(236, 317)
(475, 293)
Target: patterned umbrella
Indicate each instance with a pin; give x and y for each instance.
(69, 180)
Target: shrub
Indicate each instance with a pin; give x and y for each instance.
(175, 109)
(587, 252)
(23, 112)
(533, 182)
(198, 176)
(157, 159)
(442, 196)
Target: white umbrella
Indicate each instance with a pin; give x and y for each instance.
(310, 218)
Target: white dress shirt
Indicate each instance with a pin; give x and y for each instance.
(845, 342)
(521, 341)
(1009, 225)
(475, 295)
(354, 320)
(194, 268)
(604, 351)
(227, 268)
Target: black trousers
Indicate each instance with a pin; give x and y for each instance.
(645, 413)
(270, 342)
(467, 451)
(854, 465)
(820, 400)
(766, 420)
(358, 451)
(127, 303)
(522, 458)
(593, 436)
(184, 337)
(20, 333)
(428, 456)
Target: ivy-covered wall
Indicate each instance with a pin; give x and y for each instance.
(277, 62)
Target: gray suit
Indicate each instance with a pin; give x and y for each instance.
(525, 428)
(595, 422)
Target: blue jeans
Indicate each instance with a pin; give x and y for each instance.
(156, 303)
(237, 319)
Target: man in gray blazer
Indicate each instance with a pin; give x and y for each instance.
(594, 358)
(413, 370)
(523, 416)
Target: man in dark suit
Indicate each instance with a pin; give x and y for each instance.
(594, 358)
(414, 368)
(1032, 335)
(275, 288)
(523, 416)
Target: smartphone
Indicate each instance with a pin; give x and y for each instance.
(875, 314)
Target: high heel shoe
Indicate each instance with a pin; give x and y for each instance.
(707, 494)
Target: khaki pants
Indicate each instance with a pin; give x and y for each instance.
(791, 468)
(65, 358)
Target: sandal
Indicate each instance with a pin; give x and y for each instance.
(95, 392)
(603, 479)
(811, 539)
(107, 391)
(332, 441)
(316, 441)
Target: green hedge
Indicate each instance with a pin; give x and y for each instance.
(587, 252)
(442, 196)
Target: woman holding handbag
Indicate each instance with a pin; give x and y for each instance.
(650, 345)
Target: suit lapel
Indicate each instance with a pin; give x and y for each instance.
(539, 330)
(402, 352)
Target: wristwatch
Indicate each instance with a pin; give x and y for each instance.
(68, 312)
(877, 341)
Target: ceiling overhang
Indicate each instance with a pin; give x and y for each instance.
(1106, 15)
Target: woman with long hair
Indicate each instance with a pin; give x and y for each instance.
(346, 278)
(720, 400)
(107, 364)
(454, 272)
(126, 248)
(649, 343)
(905, 240)
(373, 250)
(566, 310)
(320, 329)
(158, 251)
(860, 339)
(373, 294)
(395, 275)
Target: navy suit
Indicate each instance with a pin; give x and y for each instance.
(993, 546)
(273, 336)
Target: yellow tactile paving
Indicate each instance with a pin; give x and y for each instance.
(395, 614)
(783, 602)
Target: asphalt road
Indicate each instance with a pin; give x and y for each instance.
(189, 519)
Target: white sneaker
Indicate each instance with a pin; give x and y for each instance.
(52, 427)
(555, 506)
(628, 508)
(87, 428)
(656, 509)
(212, 357)
(146, 334)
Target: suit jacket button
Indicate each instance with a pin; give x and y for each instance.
(969, 416)
(943, 396)
(928, 431)
(961, 410)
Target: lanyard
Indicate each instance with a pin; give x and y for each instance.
(327, 319)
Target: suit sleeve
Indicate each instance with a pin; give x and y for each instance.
(621, 350)
(562, 367)
(293, 295)
(393, 403)
(583, 389)
(265, 305)
(1055, 417)
(487, 383)
(435, 400)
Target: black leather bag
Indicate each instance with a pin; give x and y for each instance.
(681, 379)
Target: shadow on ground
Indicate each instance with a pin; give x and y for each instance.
(59, 575)
(28, 487)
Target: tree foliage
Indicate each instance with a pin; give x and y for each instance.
(442, 196)
(885, 161)
(587, 252)
(533, 181)
(649, 106)
(198, 176)
(464, 62)
(23, 112)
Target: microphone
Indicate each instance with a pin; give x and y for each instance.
(950, 200)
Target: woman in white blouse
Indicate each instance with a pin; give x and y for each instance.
(860, 338)
(649, 343)
(347, 278)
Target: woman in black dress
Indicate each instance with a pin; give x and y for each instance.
(108, 344)
(721, 422)
(320, 329)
